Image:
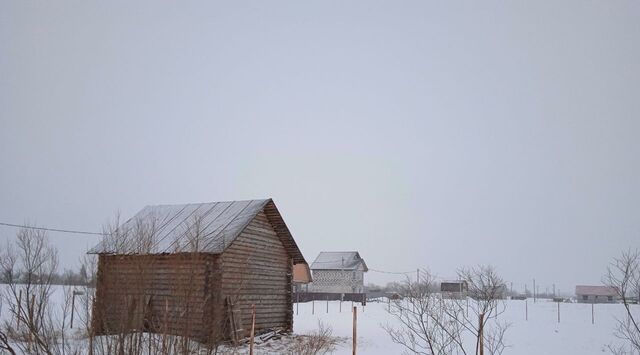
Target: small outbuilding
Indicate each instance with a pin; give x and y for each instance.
(596, 294)
(454, 289)
(195, 270)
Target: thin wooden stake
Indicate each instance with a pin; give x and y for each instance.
(526, 309)
(593, 321)
(481, 333)
(355, 327)
(165, 326)
(253, 327)
(558, 312)
(327, 303)
(90, 324)
(19, 309)
(467, 306)
(73, 306)
(297, 302)
(31, 315)
(313, 306)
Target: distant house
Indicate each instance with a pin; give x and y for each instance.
(338, 272)
(454, 288)
(596, 294)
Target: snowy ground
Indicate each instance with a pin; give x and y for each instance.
(540, 334)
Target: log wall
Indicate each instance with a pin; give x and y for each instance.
(256, 269)
(171, 293)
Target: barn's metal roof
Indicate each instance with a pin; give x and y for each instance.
(196, 227)
(338, 260)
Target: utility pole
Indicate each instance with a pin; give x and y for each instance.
(554, 290)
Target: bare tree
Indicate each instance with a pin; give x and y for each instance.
(623, 275)
(424, 329)
(432, 324)
(486, 301)
(35, 325)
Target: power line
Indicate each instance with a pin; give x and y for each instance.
(50, 229)
(392, 272)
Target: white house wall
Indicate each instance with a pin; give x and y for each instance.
(337, 281)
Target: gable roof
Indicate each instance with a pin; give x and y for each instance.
(196, 227)
(338, 260)
(596, 290)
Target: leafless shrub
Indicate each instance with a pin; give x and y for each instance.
(623, 275)
(494, 338)
(318, 342)
(424, 329)
(433, 325)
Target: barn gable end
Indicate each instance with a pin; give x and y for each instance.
(256, 269)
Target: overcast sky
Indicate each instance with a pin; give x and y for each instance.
(422, 134)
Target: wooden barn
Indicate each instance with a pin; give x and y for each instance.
(195, 270)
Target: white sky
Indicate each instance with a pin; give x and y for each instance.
(431, 134)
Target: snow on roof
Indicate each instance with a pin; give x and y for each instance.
(596, 290)
(203, 227)
(338, 260)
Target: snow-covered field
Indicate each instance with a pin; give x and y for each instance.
(540, 334)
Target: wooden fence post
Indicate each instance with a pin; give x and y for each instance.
(327, 303)
(355, 332)
(90, 324)
(73, 306)
(558, 312)
(313, 306)
(30, 320)
(481, 333)
(467, 298)
(593, 321)
(526, 309)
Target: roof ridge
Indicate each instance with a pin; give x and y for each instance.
(205, 203)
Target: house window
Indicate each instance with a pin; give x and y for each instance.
(585, 297)
(596, 296)
(610, 298)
